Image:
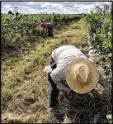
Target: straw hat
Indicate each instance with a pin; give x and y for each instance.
(82, 76)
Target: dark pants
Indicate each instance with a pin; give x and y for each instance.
(50, 32)
(53, 90)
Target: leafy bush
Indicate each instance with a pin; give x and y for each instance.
(15, 28)
(99, 29)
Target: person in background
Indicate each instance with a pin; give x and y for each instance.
(72, 72)
(17, 14)
(48, 29)
(10, 14)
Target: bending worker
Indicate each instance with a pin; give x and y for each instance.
(71, 71)
(49, 29)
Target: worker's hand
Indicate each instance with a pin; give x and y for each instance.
(68, 90)
(70, 93)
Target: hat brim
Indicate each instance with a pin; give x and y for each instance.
(74, 84)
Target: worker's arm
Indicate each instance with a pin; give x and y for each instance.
(60, 85)
(46, 31)
(57, 78)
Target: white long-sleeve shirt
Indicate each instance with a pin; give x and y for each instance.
(63, 56)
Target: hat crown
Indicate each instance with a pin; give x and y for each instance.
(82, 73)
(82, 76)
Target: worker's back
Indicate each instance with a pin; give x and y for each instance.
(49, 25)
(66, 54)
(46, 25)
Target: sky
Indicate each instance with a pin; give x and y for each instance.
(50, 7)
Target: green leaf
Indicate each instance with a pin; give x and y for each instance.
(110, 55)
(90, 94)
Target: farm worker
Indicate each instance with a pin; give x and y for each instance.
(71, 71)
(10, 14)
(49, 28)
(11, 17)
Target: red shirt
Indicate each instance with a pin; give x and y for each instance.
(46, 25)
